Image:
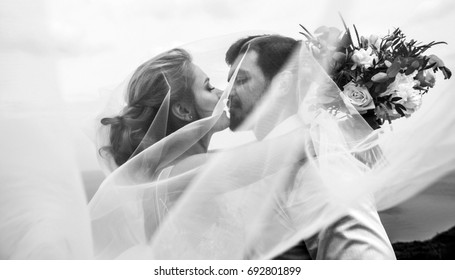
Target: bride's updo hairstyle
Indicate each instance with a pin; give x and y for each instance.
(146, 91)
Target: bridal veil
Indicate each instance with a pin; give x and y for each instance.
(314, 158)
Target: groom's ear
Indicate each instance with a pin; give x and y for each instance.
(182, 111)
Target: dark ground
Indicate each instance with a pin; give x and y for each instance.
(440, 247)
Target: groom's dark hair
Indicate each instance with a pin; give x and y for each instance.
(273, 51)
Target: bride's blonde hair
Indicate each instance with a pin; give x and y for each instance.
(146, 91)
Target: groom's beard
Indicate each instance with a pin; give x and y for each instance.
(237, 113)
(235, 120)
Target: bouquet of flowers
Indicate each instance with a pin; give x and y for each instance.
(383, 78)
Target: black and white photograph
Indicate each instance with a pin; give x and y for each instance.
(227, 130)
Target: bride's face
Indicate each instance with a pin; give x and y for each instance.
(206, 96)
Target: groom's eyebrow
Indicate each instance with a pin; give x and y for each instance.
(241, 71)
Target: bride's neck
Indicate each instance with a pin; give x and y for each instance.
(201, 147)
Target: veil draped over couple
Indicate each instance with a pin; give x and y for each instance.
(308, 184)
(313, 181)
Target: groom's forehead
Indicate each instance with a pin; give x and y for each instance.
(249, 62)
(234, 66)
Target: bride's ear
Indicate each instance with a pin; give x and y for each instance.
(182, 111)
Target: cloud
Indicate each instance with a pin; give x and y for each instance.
(111, 37)
(35, 27)
(433, 9)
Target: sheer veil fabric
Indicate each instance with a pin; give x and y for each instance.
(314, 159)
(257, 200)
(43, 208)
(44, 211)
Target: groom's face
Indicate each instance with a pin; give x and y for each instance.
(249, 86)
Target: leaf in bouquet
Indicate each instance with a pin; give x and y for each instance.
(387, 44)
(411, 45)
(437, 60)
(401, 49)
(307, 34)
(395, 99)
(389, 105)
(430, 66)
(386, 112)
(424, 60)
(393, 70)
(346, 40)
(409, 70)
(380, 77)
(422, 49)
(446, 72)
(400, 109)
(342, 20)
(357, 35)
(397, 32)
(380, 88)
(396, 41)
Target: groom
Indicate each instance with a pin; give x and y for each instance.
(359, 234)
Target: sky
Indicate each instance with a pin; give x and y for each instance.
(108, 40)
(69, 50)
(97, 43)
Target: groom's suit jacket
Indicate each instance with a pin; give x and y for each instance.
(357, 235)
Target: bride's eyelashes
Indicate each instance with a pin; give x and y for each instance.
(208, 85)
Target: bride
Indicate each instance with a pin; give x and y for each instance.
(169, 83)
(153, 147)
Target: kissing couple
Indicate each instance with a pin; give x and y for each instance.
(312, 181)
(307, 186)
